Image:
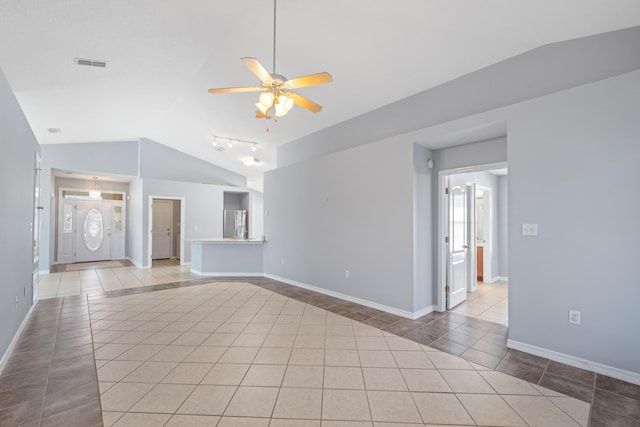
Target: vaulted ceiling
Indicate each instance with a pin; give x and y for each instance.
(163, 55)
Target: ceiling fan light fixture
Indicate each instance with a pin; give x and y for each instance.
(262, 108)
(266, 99)
(280, 110)
(286, 102)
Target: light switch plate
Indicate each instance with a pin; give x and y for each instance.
(529, 229)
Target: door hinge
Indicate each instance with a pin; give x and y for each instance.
(446, 239)
(447, 190)
(447, 288)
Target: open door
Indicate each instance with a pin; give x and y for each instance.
(457, 247)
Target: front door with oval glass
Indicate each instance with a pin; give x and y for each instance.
(91, 230)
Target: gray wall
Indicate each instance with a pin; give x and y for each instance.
(423, 294)
(19, 147)
(102, 158)
(503, 226)
(161, 162)
(573, 164)
(203, 204)
(536, 73)
(134, 161)
(573, 170)
(351, 210)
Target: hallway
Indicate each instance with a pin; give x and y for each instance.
(490, 302)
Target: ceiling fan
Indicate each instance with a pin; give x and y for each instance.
(276, 96)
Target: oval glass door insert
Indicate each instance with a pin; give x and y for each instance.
(93, 230)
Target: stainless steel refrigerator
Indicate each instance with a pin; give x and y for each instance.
(235, 224)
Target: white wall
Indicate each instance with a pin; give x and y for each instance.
(351, 210)
(574, 170)
(17, 172)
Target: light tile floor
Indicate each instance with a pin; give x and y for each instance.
(232, 353)
(489, 302)
(79, 281)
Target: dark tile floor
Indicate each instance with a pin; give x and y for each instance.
(51, 380)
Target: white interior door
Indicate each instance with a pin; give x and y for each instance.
(161, 229)
(93, 242)
(458, 248)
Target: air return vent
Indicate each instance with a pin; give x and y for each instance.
(91, 63)
(54, 130)
(218, 148)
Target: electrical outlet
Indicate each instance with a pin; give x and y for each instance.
(16, 301)
(346, 274)
(574, 317)
(282, 261)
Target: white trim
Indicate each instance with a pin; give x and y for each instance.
(41, 272)
(567, 359)
(136, 264)
(503, 278)
(14, 341)
(385, 308)
(229, 274)
(428, 309)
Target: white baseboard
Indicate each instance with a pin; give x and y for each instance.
(418, 314)
(14, 341)
(227, 274)
(503, 278)
(41, 272)
(610, 371)
(382, 307)
(140, 266)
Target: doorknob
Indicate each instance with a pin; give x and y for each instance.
(168, 232)
(466, 247)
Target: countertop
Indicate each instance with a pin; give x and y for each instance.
(226, 240)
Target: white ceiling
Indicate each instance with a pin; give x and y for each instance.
(163, 55)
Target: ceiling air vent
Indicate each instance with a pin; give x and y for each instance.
(91, 63)
(54, 130)
(218, 148)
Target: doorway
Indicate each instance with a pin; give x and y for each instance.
(166, 222)
(468, 230)
(91, 227)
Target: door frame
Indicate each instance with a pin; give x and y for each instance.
(443, 210)
(150, 200)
